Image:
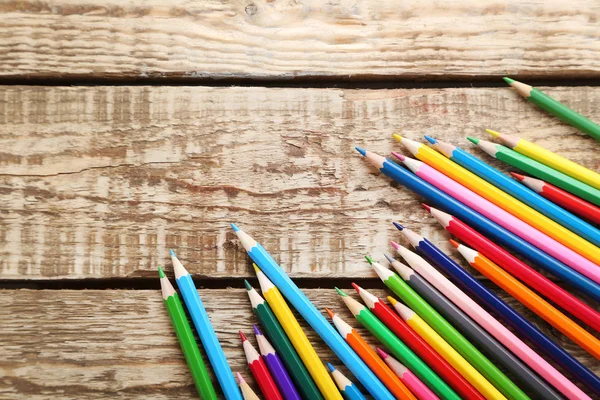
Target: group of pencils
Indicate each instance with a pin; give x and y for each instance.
(444, 335)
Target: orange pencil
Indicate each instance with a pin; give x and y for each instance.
(368, 355)
(530, 299)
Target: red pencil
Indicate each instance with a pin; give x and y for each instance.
(418, 345)
(561, 197)
(516, 267)
(259, 371)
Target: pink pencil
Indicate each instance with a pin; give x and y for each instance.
(502, 218)
(414, 384)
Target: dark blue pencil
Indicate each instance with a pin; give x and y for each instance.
(520, 192)
(484, 296)
(495, 232)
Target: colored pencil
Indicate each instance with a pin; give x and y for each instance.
(518, 268)
(348, 389)
(297, 336)
(368, 355)
(247, 392)
(398, 349)
(184, 334)
(539, 170)
(421, 348)
(259, 370)
(504, 218)
(205, 330)
(445, 350)
(507, 314)
(548, 158)
(530, 299)
(495, 351)
(502, 236)
(290, 358)
(555, 108)
(278, 372)
(314, 318)
(407, 377)
(561, 197)
(570, 225)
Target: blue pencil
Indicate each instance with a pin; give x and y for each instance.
(484, 296)
(520, 192)
(213, 349)
(348, 389)
(310, 313)
(500, 235)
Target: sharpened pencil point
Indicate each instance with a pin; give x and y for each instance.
(430, 139)
(426, 207)
(242, 336)
(256, 269)
(340, 292)
(397, 137)
(389, 258)
(234, 227)
(356, 287)
(329, 312)
(256, 330)
(508, 80)
(382, 353)
(454, 243)
(399, 156)
(369, 260)
(248, 285)
(394, 244)
(161, 273)
(473, 140)
(240, 378)
(398, 226)
(362, 152)
(493, 133)
(392, 300)
(518, 177)
(331, 367)
(172, 253)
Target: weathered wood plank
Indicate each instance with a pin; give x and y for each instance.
(96, 344)
(98, 182)
(284, 40)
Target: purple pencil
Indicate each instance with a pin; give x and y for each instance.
(275, 366)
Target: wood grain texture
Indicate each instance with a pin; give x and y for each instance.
(291, 39)
(120, 344)
(99, 182)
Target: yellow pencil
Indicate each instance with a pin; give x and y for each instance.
(446, 351)
(548, 158)
(292, 328)
(502, 199)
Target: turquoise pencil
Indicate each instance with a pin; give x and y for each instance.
(213, 349)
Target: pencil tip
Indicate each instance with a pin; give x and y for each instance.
(161, 273)
(508, 80)
(331, 367)
(398, 226)
(256, 330)
(340, 292)
(382, 353)
(356, 287)
(234, 227)
(472, 139)
(240, 378)
(242, 336)
(247, 284)
(397, 137)
(493, 133)
(454, 243)
(256, 269)
(389, 258)
(329, 312)
(430, 139)
(394, 244)
(392, 300)
(399, 156)
(362, 152)
(426, 207)
(518, 177)
(369, 260)
(172, 253)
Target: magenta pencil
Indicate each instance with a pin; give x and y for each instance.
(503, 218)
(414, 384)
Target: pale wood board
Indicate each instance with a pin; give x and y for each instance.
(120, 344)
(289, 39)
(99, 182)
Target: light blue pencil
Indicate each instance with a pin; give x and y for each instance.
(348, 389)
(518, 191)
(310, 313)
(213, 349)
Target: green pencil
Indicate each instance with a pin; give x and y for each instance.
(555, 108)
(290, 358)
(446, 330)
(539, 170)
(399, 349)
(186, 339)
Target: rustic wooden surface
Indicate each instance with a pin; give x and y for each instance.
(119, 344)
(98, 182)
(291, 39)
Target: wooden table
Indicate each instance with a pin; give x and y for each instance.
(127, 128)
